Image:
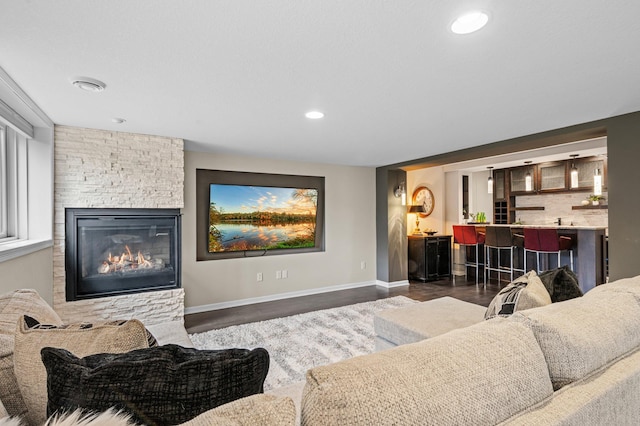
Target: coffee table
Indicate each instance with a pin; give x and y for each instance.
(410, 324)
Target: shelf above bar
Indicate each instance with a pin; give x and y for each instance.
(590, 207)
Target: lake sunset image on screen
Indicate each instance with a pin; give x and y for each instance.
(245, 218)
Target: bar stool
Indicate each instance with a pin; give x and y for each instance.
(546, 241)
(498, 238)
(518, 252)
(466, 236)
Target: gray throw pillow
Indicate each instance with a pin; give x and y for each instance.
(160, 385)
(561, 283)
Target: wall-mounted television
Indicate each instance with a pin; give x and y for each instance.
(242, 214)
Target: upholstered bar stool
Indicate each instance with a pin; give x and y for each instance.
(467, 236)
(499, 240)
(546, 241)
(518, 252)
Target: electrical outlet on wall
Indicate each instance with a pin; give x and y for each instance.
(259, 277)
(285, 273)
(278, 275)
(363, 265)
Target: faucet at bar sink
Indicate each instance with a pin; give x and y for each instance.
(559, 221)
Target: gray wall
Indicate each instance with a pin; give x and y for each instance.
(391, 238)
(349, 238)
(623, 146)
(391, 225)
(33, 270)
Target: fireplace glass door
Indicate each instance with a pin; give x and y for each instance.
(120, 251)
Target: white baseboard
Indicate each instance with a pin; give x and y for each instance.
(273, 297)
(392, 284)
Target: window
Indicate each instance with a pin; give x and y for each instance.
(3, 184)
(13, 176)
(26, 173)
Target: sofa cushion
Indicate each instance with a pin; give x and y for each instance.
(253, 410)
(578, 336)
(3, 411)
(561, 283)
(24, 302)
(625, 285)
(524, 292)
(608, 396)
(13, 305)
(161, 385)
(9, 391)
(481, 374)
(31, 375)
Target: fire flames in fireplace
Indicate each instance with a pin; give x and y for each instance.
(127, 262)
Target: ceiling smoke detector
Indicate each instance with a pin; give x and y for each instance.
(88, 84)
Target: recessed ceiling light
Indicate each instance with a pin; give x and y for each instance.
(314, 115)
(118, 120)
(469, 22)
(88, 84)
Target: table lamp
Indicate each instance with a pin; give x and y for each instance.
(417, 209)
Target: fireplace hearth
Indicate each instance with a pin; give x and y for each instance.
(121, 251)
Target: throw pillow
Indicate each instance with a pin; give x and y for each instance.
(79, 339)
(13, 305)
(34, 324)
(525, 292)
(162, 385)
(561, 283)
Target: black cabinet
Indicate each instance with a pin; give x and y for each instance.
(429, 257)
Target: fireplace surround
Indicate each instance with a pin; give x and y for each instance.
(118, 251)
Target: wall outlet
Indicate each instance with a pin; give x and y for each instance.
(285, 273)
(278, 275)
(363, 265)
(259, 277)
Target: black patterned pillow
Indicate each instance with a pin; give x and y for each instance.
(561, 283)
(525, 292)
(161, 385)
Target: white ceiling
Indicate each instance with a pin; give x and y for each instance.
(394, 82)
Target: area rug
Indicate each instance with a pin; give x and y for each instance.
(300, 342)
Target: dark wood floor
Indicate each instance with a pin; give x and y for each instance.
(460, 289)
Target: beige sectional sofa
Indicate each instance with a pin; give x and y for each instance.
(23, 382)
(575, 362)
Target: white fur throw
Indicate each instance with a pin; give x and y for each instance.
(79, 417)
(111, 417)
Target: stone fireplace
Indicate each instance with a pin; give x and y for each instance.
(105, 170)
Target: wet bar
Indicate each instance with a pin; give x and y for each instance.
(589, 252)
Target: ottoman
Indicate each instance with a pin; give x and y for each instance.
(399, 326)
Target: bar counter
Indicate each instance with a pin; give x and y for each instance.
(589, 251)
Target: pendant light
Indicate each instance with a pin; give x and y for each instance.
(597, 183)
(528, 181)
(490, 181)
(574, 172)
